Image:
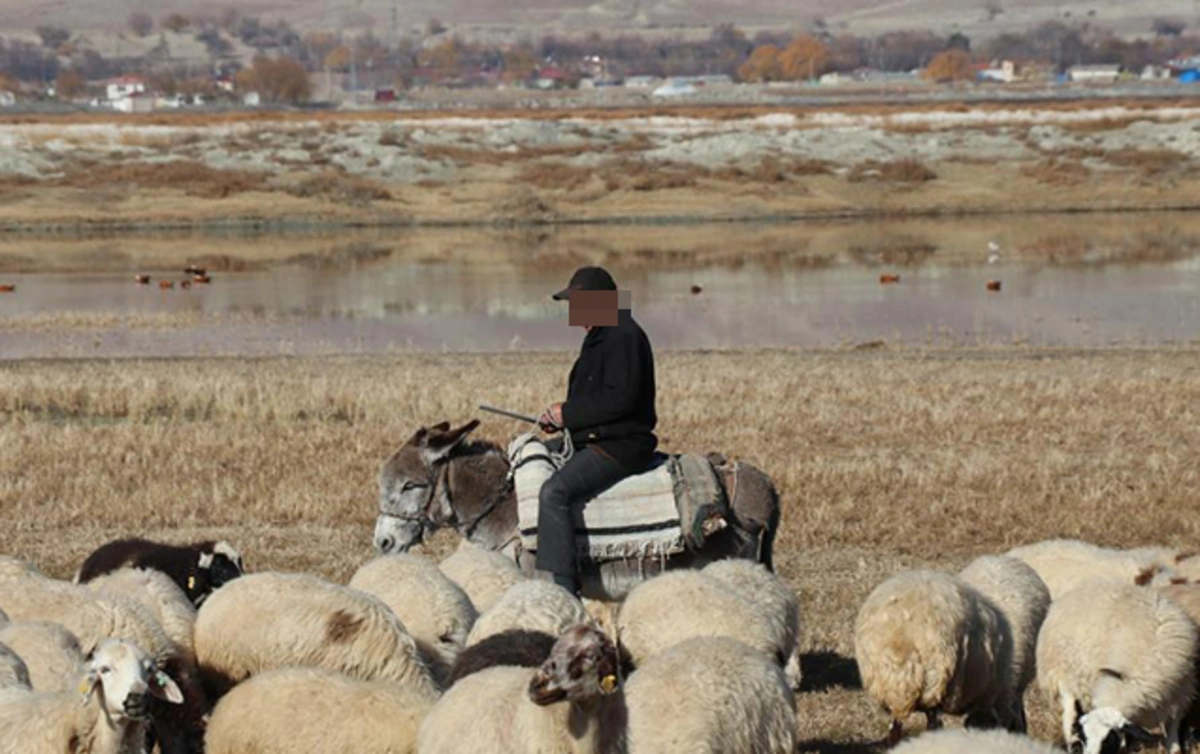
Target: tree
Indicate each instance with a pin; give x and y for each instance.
(70, 84)
(959, 41)
(53, 36)
(445, 58)
(519, 65)
(805, 58)
(140, 23)
(276, 79)
(8, 83)
(951, 65)
(339, 58)
(763, 65)
(1168, 27)
(993, 8)
(434, 28)
(176, 22)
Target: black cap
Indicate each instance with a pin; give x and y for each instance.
(587, 279)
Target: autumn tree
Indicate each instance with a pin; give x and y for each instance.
(8, 83)
(950, 65)
(519, 64)
(276, 79)
(763, 65)
(445, 58)
(70, 84)
(176, 22)
(805, 58)
(140, 23)
(339, 58)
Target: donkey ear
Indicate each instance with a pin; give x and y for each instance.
(439, 446)
(440, 428)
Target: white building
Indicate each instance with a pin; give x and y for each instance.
(1005, 74)
(1094, 74)
(138, 102)
(642, 82)
(125, 86)
(674, 89)
(251, 99)
(7, 99)
(1156, 73)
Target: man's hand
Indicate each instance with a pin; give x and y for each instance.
(551, 419)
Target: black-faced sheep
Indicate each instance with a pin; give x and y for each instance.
(927, 642)
(310, 711)
(1123, 653)
(268, 621)
(197, 569)
(572, 704)
(53, 723)
(516, 648)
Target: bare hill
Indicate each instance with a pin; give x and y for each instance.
(504, 18)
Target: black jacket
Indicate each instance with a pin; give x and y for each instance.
(610, 394)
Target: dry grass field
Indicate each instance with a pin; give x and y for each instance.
(885, 459)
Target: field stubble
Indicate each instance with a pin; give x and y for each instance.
(884, 460)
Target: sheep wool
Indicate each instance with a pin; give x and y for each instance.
(1107, 644)
(13, 672)
(484, 575)
(530, 605)
(927, 642)
(436, 611)
(680, 605)
(736, 701)
(1064, 564)
(773, 599)
(268, 621)
(311, 711)
(960, 740)
(51, 653)
(159, 594)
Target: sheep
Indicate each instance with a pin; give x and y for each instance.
(572, 704)
(532, 605)
(51, 653)
(773, 599)
(267, 621)
(3, 619)
(525, 649)
(15, 569)
(14, 674)
(52, 723)
(1064, 564)
(1023, 599)
(927, 642)
(484, 575)
(1122, 652)
(92, 618)
(958, 741)
(156, 592)
(198, 569)
(710, 695)
(679, 605)
(436, 611)
(312, 711)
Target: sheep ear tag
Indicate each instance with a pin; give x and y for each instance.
(164, 688)
(87, 685)
(608, 684)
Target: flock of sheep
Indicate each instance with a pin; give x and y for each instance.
(178, 648)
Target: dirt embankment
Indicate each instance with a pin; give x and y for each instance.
(595, 167)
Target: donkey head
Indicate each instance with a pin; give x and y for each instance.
(410, 502)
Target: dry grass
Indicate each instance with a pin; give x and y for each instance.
(1057, 172)
(884, 460)
(190, 176)
(896, 171)
(341, 187)
(1149, 163)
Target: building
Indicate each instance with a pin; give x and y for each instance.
(1005, 73)
(125, 86)
(137, 102)
(1156, 73)
(642, 82)
(551, 77)
(1094, 74)
(7, 98)
(674, 88)
(251, 99)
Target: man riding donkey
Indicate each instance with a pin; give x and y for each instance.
(609, 414)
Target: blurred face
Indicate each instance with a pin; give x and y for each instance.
(590, 309)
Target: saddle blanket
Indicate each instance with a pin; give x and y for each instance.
(635, 518)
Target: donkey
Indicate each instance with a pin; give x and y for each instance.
(438, 479)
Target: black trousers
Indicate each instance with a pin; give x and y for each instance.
(585, 475)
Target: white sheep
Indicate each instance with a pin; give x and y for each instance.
(14, 569)
(267, 621)
(960, 741)
(927, 642)
(159, 594)
(483, 574)
(684, 604)
(53, 723)
(51, 653)
(3, 619)
(1023, 599)
(311, 711)
(572, 704)
(14, 674)
(710, 695)
(435, 611)
(531, 605)
(773, 599)
(1064, 564)
(1126, 652)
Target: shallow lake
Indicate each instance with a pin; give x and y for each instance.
(1095, 283)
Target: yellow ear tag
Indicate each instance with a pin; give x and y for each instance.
(191, 582)
(84, 686)
(608, 684)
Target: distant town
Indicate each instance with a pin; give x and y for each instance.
(234, 61)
